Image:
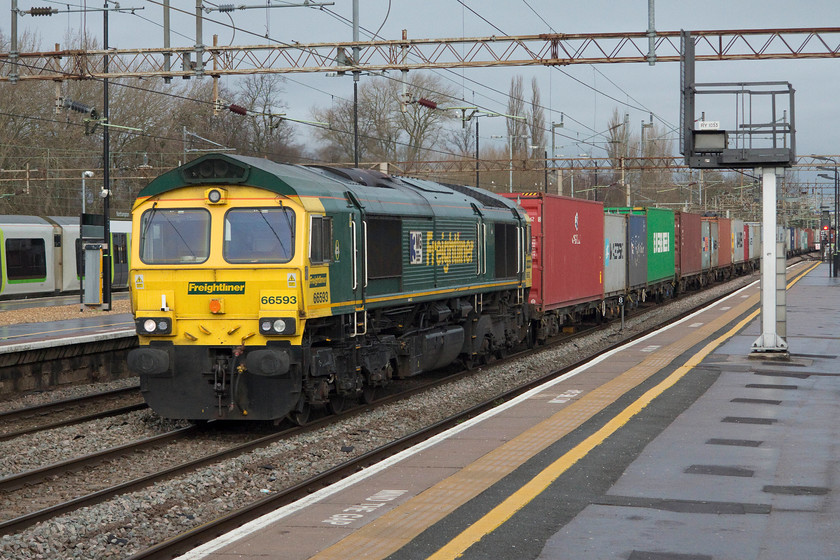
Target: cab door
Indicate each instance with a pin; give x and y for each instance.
(359, 268)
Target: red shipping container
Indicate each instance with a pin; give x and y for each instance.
(567, 249)
(687, 249)
(725, 247)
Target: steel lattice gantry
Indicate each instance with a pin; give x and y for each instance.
(522, 50)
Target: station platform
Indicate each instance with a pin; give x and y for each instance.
(24, 337)
(678, 446)
(90, 326)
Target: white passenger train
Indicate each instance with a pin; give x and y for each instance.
(42, 255)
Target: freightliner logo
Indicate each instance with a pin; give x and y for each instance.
(216, 288)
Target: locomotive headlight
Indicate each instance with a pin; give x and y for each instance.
(216, 195)
(277, 325)
(153, 325)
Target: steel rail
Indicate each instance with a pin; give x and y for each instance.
(15, 481)
(39, 409)
(76, 420)
(65, 405)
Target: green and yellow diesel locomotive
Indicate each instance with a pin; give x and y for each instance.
(262, 290)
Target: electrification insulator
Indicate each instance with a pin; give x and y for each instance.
(238, 109)
(226, 8)
(78, 107)
(427, 103)
(42, 11)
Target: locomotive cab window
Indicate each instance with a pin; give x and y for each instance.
(320, 240)
(175, 236)
(26, 259)
(259, 235)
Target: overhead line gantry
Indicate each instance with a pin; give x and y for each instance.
(554, 49)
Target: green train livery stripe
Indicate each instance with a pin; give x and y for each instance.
(216, 288)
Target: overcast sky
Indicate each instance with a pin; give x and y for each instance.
(636, 88)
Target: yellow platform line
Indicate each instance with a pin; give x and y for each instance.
(519, 499)
(395, 529)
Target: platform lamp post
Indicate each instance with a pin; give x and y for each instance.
(85, 175)
(555, 126)
(835, 261)
(545, 155)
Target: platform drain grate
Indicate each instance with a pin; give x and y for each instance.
(767, 386)
(735, 442)
(756, 401)
(749, 420)
(719, 470)
(645, 555)
(797, 490)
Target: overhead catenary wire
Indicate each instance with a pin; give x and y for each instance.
(234, 27)
(342, 18)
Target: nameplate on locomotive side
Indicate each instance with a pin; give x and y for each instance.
(216, 288)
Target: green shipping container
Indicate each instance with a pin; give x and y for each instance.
(660, 241)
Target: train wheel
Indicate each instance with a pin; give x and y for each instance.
(336, 404)
(300, 416)
(368, 394)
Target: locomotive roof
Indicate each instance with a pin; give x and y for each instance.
(291, 180)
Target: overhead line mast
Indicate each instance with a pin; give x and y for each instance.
(550, 49)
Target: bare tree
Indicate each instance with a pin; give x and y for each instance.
(265, 130)
(517, 127)
(536, 121)
(461, 140)
(386, 131)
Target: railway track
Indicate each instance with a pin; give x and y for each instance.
(11, 486)
(16, 423)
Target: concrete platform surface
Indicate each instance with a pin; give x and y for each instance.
(679, 446)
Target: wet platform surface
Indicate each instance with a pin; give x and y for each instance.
(679, 446)
(90, 328)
